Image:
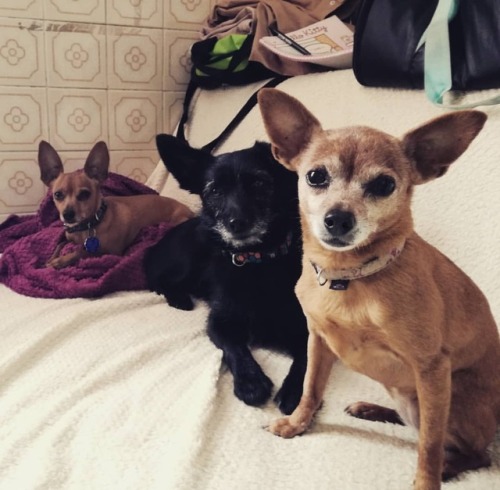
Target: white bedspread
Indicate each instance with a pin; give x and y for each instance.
(124, 392)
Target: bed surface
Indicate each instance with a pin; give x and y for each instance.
(124, 392)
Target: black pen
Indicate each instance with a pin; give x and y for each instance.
(289, 41)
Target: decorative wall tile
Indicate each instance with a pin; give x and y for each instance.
(21, 189)
(74, 72)
(31, 9)
(145, 13)
(137, 165)
(21, 53)
(78, 118)
(135, 58)
(134, 119)
(186, 14)
(76, 10)
(23, 117)
(76, 58)
(177, 56)
(172, 110)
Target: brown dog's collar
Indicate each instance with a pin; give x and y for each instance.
(339, 278)
(88, 223)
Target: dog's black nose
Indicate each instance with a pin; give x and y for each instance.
(339, 223)
(237, 225)
(69, 215)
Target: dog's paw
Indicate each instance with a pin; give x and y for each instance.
(288, 397)
(56, 263)
(253, 388)
(180, 301)
(61, 261)
(423, 483)
(285, 428)
(375, 413)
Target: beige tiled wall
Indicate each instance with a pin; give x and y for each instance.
(73, 72)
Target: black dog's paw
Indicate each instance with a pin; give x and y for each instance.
(253, 388)
(288, 396)
(180, 301)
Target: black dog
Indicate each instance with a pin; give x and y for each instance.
(242, 255)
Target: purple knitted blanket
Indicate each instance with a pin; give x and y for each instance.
(27, 242)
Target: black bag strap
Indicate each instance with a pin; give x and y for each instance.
(242, 54)
(247, 107)
(191, 89)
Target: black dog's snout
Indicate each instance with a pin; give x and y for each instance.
(69, 215)
(237, 225)
(339, 223)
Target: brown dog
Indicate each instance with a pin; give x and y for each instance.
(101, 226)
(380, 298)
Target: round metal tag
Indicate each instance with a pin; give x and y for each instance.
(91, 244)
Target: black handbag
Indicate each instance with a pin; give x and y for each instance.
(387, 51)
(221, 62)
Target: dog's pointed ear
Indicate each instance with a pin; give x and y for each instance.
(49, 162)
(434, 146)
(97, 163)
(185, 163)
(289, 125)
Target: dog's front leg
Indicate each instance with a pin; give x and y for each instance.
(70, 258)
(320, 360)
(288, 396)
(433, 380)
(59, 262)
(62, 242)
(251, 385)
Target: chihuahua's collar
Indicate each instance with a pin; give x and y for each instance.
(239, 259)
(90, 223)
(340, 278)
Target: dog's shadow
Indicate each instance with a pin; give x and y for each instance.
(365, 434)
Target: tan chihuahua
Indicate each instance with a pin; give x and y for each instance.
(101, 226)
(379, 297)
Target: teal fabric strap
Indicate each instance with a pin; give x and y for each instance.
(437, 59)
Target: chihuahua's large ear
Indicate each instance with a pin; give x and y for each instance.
(434, 146)
(186, 164)
(289, 125)
(97, 163)
(49, 162)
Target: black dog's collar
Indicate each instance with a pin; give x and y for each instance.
(340, 278)
(239, 259)
(88, 223)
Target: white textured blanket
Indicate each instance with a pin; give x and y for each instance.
(126, 393)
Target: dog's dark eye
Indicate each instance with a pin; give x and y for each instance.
(211, 190)
(317, 177)
(215, 191)
(83, 195)
(381, 186)
(58, 196)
